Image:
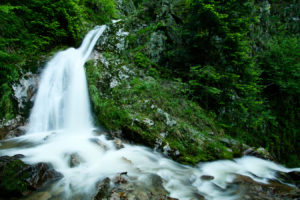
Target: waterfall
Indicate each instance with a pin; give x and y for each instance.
(61, 127)
(62, 101)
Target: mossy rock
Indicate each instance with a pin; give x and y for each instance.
(18, 179)
(13, 176)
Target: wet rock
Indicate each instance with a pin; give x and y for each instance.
(249, 189)
(135, 192)
(167, 149)
(103, 189)
(118, 143)
(295, 176)
(41, 173)
(99, 132)
(156, 184)
(26, 89)
(75, 160)
(13, 123)
(170, 198)
(121, 178)
(290, 177)
(199, 196)
(207, 178)
(229, 142)
(248, 151)
(52, 134)
(40, 196)
(18, 178)
(129, 189)
(21, 130)
(117, 134)
(12, 128)
(99, 143)
(156, 181)
(3, 133)
(57, 191)
(258, 152)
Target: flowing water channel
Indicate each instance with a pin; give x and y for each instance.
(61, 125)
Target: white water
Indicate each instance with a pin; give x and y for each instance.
(61, 125)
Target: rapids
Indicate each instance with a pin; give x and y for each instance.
(61, 125)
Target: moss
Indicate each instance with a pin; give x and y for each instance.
(13, 178)
(7, 104)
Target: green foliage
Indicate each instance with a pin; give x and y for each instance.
(281, 78)
(200, 76)
(141, 60)
(285, 16)
(13, 179)
(215, 59)
(98, 12)
(281, 65)
(6, 103)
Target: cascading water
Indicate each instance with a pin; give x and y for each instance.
(61, 126)
(62, 100)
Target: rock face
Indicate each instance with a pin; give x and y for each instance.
(12, 128)
(26, 89)
(18, 178)
(24, 94)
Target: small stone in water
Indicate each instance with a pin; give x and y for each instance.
(207, 178)
(74, 160)
(118, 143)
(119, 179)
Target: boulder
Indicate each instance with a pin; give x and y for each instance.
(125, 187)
(12, 128)
(118, 143)
(75, 160)
(21, 130)
(102, 189)
(18, 179)
(259, 152)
